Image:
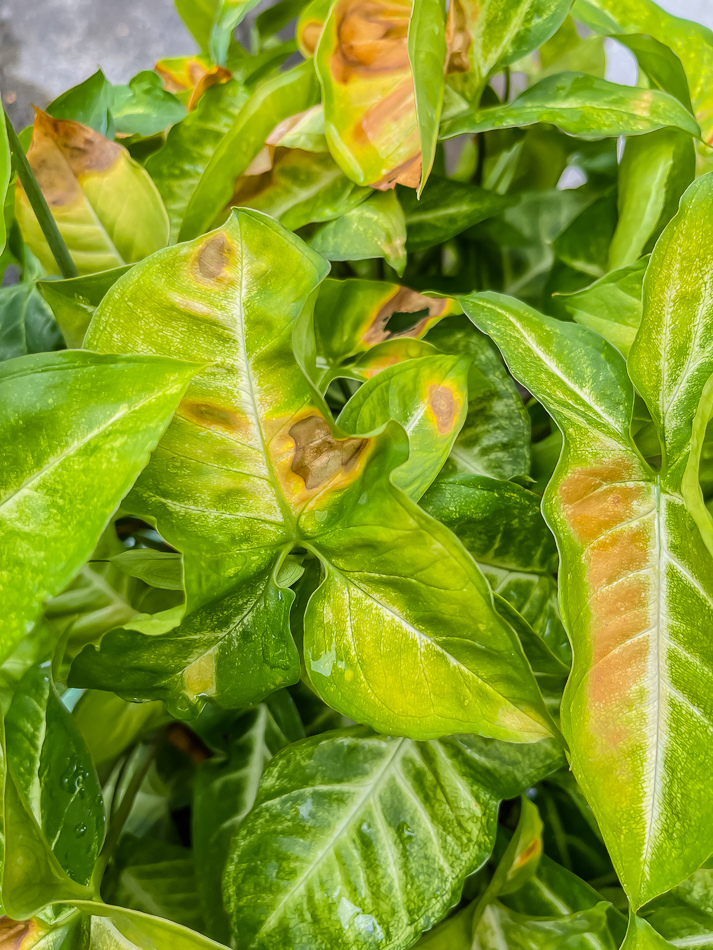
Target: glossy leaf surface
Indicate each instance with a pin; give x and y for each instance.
(654, 172)
(376, 228)
(54, 773)
(379, 119)
(275, 100)
(105, 205)
(428, 397)
(300, 484)
(493, 34)
(66, 470)
(73, 301)
(582, 105)
(631, 550)
(351, 796)
(119, 928)
(611, 305)
(224, 793)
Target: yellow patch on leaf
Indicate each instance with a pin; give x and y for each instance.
(405, 300)
(192, 74)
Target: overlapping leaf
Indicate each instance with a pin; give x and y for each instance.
(581, 105)
(106, 207)
(348, 799)
(381, 66)
(249, 468)
(637, 577)
(66, 468)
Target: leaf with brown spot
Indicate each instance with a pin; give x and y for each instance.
(636, 577)
(190, 75)
(381, 64)
(105, 205)
(353, 317)
(428, 397)
(299, 188)
(486, 35)
(252, 466)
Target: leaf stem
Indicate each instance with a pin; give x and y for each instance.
(39, 205)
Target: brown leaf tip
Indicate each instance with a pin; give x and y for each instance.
(318, 456)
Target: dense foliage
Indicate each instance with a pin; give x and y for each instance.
(356, 549)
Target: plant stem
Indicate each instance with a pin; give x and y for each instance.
(37, 201)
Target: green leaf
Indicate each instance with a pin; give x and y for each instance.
(494, 34)
(74, 301)
(427, 53)
(376, 228)
(105, 205)
(585, 242)
(611, 305)
(654, 172)
(66, 469)
(144, 107)
(660, 64)
(198, 15)
(503, 929)
(26, 323)
(445, 209)
(685, 914)
(428, 397)
(300, 188)
(691, 42)
(495, 439)
(90, 103)
(5, 172)
(157, 878)
(641, 936)
(273, 101)
(109, 725)
(366, 309)
(177, 167)
(224, 793)
(53, 771)
(636, 582)
(416, 818)
(582, 105)
(297, 485)
(228, 14)
(120, 928)
(156, 568)
(383, 613)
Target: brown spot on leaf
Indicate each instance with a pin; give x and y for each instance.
(213, 258)
(209, 415)
(63, 152)
(443, 405)
(372, 38)
(405, 301)
(318, 456)
(459, 38)
(309, 36)
(192, 72)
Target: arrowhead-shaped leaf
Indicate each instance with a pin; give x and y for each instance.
(106, 207)
(425, 812)
(66, 468)
(249, 468)
(637, 577)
